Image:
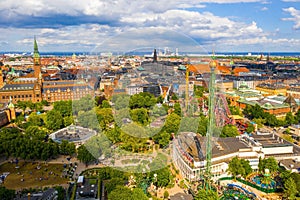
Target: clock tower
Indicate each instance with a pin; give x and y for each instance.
(36, 61)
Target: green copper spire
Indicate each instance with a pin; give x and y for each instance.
(36, 49)
(36, 54)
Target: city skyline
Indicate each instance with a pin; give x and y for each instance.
(225, 26)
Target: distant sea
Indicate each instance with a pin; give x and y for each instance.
(45, 54)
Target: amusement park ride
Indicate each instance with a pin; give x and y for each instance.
(211, 124)
(218, 115)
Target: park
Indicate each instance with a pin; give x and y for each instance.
(26, 175)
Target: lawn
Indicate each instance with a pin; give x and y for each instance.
(33, 175)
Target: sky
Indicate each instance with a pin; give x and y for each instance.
(131, 25)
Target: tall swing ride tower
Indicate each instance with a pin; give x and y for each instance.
(211, 123)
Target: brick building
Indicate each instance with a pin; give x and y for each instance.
(33, 88)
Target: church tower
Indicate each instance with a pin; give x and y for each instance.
(154, 56)
(36, 61)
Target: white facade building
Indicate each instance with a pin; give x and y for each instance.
(189, 152)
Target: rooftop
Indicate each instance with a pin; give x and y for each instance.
(270, 140)
(14, 87)
(195, 145)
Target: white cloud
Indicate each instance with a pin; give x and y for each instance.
(126, 20)
(264, 9)
(112, 8)
(290, 0)
(198, 25)
(295, 16)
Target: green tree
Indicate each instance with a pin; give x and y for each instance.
(260, 122)
(250, 128)
(34, 132)
(235, 167)
(287, 131)
(35, 119)
(6, 194)
(140, 115)
(132, 143)
(84, 104)
(163, 177)
(22, 105)
(54, 120)
(61, 193)
(289, 118)
(31, 145)
(124, 193)
(174, 97)
(105, 104)
(284, 175)
(229, 130)
(177, 109)
(68, 120)
(296, 177)
(247, 167)
(290, 188)
(199, 91)
(105, 117)
(113, 183)
(158, 111)
(166, 194)
(121, 101)
(64, 107)
(114, 135)
(84, 155)
(172, 123)
(30, 105)
(142, 100)
(38, 107)
(268, 163)
(45, 103)
(160, 99)
(234, 110)
(206, 195)
(99, 99)
(162, 138)
(67, 148)
(88, 119)
(271, 120)
(189, 124)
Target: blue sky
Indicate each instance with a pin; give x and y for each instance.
(124, 25)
